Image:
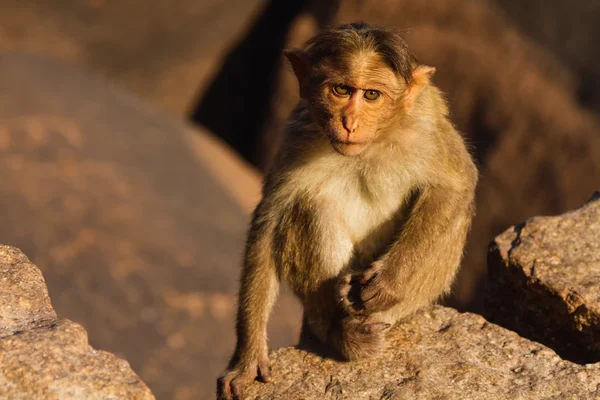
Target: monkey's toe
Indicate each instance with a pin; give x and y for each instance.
(373, 328)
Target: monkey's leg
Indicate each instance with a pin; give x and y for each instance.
(310, 341)
(259, 286)
(307, 337)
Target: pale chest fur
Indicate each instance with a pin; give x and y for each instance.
(362, 206)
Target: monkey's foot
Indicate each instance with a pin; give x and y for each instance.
(362, 339)
(231, 384)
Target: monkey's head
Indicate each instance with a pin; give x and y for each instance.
(358, 80)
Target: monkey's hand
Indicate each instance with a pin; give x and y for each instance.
(368, 291)
(377, 291)
(230, 385)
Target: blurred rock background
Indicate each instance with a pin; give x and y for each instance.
(113, 179)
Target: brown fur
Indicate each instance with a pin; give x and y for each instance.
(366, 209)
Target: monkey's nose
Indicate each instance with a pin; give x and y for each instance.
(350, 124)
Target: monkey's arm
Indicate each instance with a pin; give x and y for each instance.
(259, 286)
(422, 263)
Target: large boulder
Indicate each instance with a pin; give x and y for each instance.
(544, 281)
(43, 357)
(564, 29)
(136, 220)
(163, 51)
(436, 354)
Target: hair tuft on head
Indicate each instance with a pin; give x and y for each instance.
(360, 36)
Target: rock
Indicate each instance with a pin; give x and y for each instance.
(247, 73)
(438, 353)
(42, 357)
(136, 220)
(164, 53)
(544, 281)
(24, 301)
(548, 26)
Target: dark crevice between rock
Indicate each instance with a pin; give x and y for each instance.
(483, 137)
(236, 104)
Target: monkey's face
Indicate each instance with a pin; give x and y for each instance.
(354, 100)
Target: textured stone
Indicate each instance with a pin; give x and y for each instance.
(24, 301)
(42, 357)
(437, 354)
(544, 281)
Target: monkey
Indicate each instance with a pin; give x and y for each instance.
(366, 208)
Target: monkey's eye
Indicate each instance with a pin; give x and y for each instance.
(341, 90)
(372, 94)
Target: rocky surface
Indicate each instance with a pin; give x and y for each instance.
(42, 357)
(544, 281)
(24, 301)
(136, 220)
(439, 353)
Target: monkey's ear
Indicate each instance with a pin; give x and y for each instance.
(420, 77)
(300, 64)
(422, 73)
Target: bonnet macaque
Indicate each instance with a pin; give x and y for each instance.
(366, 208)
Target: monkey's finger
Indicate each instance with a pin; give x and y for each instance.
(237, 385)
(343, 289)
(369, 275)
(369, 292)
(347, 305)
(375, 299)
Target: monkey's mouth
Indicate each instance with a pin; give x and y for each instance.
(349, 142)
(348, 148)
